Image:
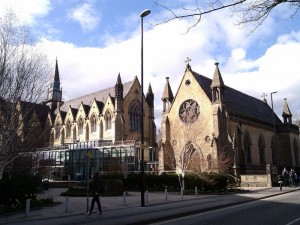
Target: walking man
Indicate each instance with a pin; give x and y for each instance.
(96, 189)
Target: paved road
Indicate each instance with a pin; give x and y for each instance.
(157, 208)
(277, 210)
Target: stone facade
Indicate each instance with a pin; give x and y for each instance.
(104, 126)
(215, 124)
(113, 114)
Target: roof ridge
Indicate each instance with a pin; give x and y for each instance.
(93, 93)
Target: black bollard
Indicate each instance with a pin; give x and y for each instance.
(280, 185)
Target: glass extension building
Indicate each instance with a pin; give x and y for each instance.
(75, 161)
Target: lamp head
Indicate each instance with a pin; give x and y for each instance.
(146, 12)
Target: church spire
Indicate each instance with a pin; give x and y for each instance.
(167, 94)
(217, 86)
(150, 97)
(286, 114)
(119, 94)
(119, 88)
(217, 80)
(54, 91)
(167, 97)
(56, 72)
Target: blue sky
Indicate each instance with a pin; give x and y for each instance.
(94, 40)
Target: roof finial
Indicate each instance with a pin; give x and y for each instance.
(187, 61)
(264, 95)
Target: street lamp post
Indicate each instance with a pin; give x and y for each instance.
(274, 130)
(143, 14)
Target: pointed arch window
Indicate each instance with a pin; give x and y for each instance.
(216, 95)
(247, 147)
(135, 116)
(108, 120)
(80, 126)
(187, 155)
(68, 128)
(57, 131)
(261, 147)
(93, 123)
(296, 151)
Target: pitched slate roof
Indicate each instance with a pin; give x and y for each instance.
(100, 105)
(63, 115)
(100, 96)
(28, 108)
(239, 102)
(86, 108)
(74, 112)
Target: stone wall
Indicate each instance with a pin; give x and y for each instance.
(255, 181)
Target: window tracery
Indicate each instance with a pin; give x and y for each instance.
(108, 120)
(80, 126)
(189, 111)
(135, 116)
(68, 128)
(93, 123)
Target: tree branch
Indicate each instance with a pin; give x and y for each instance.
(252, 12)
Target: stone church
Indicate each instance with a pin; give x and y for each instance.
(112, 114)
(206, 126)
(104, 127)
(216, 124)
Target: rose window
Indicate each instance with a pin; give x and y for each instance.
(189, 111)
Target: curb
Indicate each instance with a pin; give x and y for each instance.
(154, 220)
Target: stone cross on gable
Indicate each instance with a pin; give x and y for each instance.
(264, 95)
(187, 61)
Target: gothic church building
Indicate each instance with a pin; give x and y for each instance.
(112, 114)
(212, 122)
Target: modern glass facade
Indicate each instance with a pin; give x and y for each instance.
(76, 161)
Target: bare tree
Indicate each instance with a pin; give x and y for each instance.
(188, 142)
(24, 71)
(296, 119)
(252, 12)
(185, 138)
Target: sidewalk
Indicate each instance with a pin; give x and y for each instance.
(78, 205)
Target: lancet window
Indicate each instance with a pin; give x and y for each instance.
(135, 116)
(108, 120)
(80, 126)
(93, 123)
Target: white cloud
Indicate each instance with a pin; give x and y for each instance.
(277, 70)
(27, 11)
(86, 15)
(86, 70)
